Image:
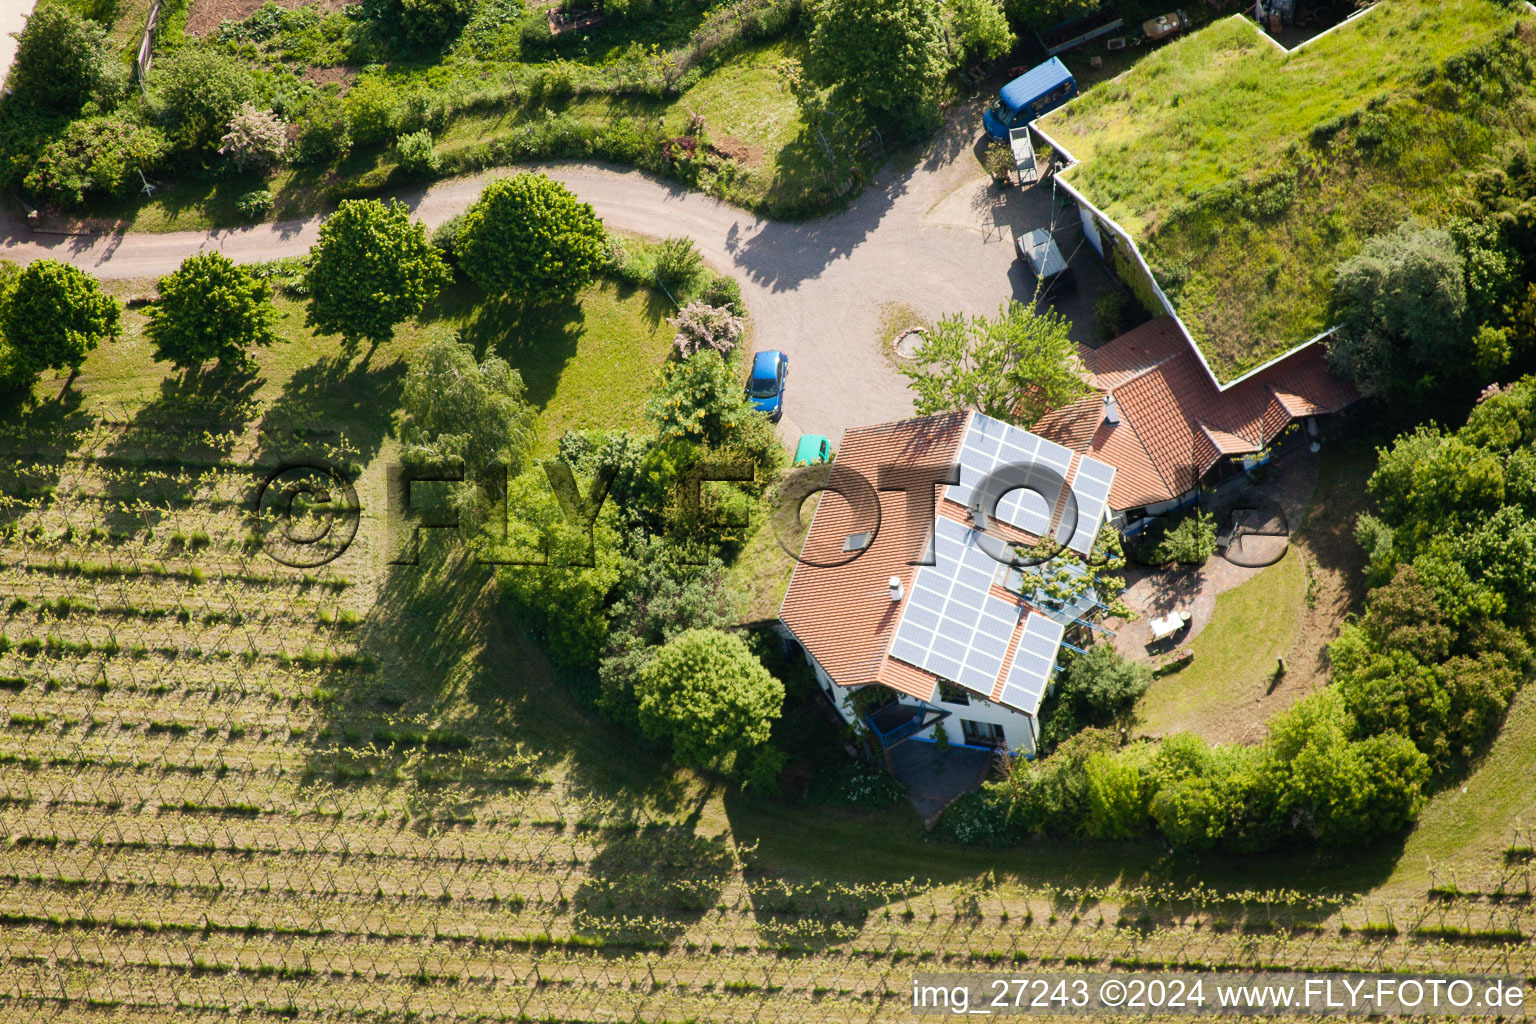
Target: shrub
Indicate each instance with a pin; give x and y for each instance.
(709, 697)
(325, 134)
(978, 819)
(371, 106)
(699, 401)
(1190, 541)
(660, 598)
(763, 776)
(724, 291)
(445, 238)
(256, 138)
(428, 24)
(560, 595)
(530, 238)
(210, 308)
(1097, 688)
(677, 265)
(700, 327)
(101, 156)
(1109, 314)
(255, 204)
(63, 61)
(416, 153)
(199, 91)
(1119, 794)
(998, 160)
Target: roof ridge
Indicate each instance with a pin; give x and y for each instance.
(1133, 378)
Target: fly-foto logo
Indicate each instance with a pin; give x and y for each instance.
(309, 514)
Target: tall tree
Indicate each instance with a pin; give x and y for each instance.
(981, 29)
(456, 408)
(706, 694)
(1016, 367)
(887, 55)
(63, 60)
(529, 238)
(1402, 309)
(372, 268)
(210, 308)
(56, 314)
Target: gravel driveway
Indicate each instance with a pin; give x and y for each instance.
(935, 236)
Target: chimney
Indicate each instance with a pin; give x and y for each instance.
(979, 517)
(897, 590)
(1111, 410)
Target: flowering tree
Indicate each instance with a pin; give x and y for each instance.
(256, 137)
(700, 326)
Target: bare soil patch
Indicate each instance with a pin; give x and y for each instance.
(343, 76)
(743, 153)
(204, 16)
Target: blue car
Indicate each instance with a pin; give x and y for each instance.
(1033, 94)
(765, 387)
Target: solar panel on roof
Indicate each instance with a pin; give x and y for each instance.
(1042, 466)
(956, 629)
(1092, 485)
(1033, 663)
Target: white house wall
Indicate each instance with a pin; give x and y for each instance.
(1018, 728)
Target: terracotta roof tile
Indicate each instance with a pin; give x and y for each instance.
(1227, 443)
(1174, 422)
(844, 615)
(1073, 426)
(1133, 353)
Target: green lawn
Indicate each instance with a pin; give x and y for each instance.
(1253, 624)
(1245, 173)
(1465, 829)
(586, 364)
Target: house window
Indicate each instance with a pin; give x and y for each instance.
(982, 734)
(857, 541)
(949, 693)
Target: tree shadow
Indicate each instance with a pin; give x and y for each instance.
(809, 916)
(196, 422)
(783, 253)
(36, 439)
(539, 340)
(334, 396)
(460, 706)
(647, 887)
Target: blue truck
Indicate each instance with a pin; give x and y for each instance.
(1036, 92)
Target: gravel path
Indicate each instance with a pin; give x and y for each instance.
(935, 236)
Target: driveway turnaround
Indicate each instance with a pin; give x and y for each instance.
(936, 237)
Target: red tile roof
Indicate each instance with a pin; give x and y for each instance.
(844, 615)
(1174, 422)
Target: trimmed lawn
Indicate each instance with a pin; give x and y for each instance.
(760, 574)
(594, 371)
(1465, 829)
(1253, 624)
(588, 364)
